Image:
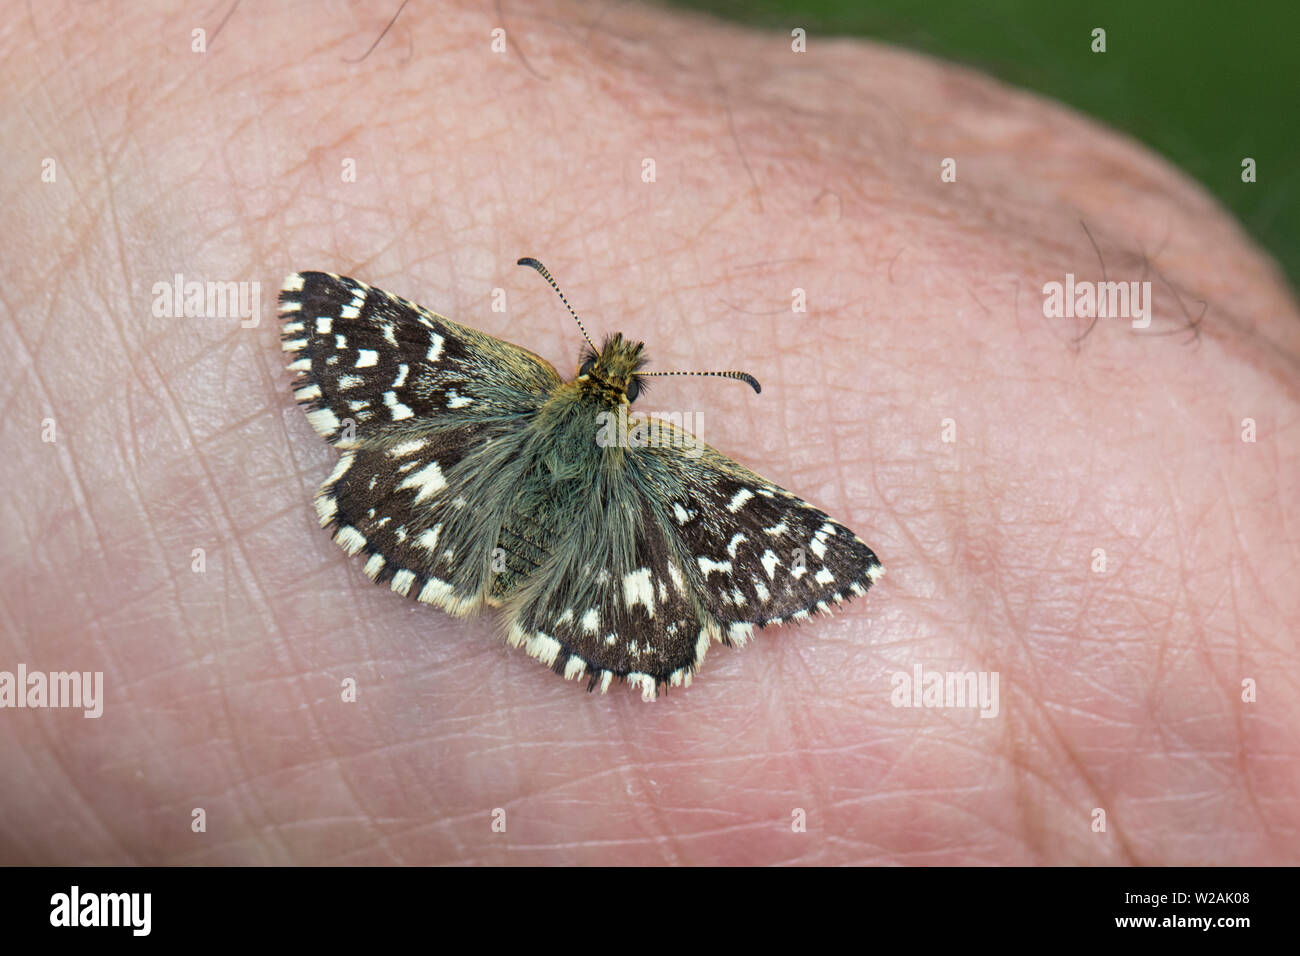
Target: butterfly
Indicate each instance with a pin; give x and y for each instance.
(473, 476)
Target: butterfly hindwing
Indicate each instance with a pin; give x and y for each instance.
(397, 505)
(369, 363)
(602, 608)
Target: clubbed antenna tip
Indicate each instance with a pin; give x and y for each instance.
(536, 264)
(740, 376)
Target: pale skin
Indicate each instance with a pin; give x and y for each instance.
(1121, 689)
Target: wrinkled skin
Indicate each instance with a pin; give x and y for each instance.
(1120, 690)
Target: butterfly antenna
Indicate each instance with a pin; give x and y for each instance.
(742, 376)
(534, 264)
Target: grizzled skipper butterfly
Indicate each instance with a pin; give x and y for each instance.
(473, 475)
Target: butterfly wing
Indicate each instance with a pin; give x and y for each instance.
(373, 365)
(755, 553)
(606, 607)
(672, 551)
(426, 412)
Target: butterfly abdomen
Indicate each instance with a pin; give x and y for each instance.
(553, 477)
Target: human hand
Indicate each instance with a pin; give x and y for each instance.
(1119, 689)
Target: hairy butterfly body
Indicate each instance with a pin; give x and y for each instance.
(472, 475)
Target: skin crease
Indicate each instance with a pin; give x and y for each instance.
(774, 171)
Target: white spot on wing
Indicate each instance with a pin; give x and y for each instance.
(740, 633)
(818, 543)
(645, 682)
(428, 479)
(701, 646)
(398, 410)
(738, 500)
(366, 358)
(402, 449)
(436, 591)
(324, 421)
(435, 348)
(708, 565)
(543, 647)
(350, 538)
(638, 589)
(340, 470)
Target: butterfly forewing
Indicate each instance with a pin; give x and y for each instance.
(756, 553)
(371, 364)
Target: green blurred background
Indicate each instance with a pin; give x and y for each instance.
(1203, 82)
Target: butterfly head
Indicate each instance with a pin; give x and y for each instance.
(612, 373)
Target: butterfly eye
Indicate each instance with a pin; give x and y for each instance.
(633, 389)
(586, 366)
